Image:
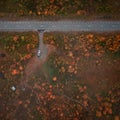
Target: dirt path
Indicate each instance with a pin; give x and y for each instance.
(100, 75)
(35, 63)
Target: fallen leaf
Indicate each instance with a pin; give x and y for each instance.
(15, 38)
(15, 72)
(110, 111)
(85, 96)
(116, 118)
(98, 114)
(54, 79)
(20, 68)
(70, 54)
(85, 103)
(20, 102)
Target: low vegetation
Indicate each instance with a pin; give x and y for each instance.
(104, 8)
(78, 81)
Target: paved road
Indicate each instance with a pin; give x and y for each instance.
(97, 26)
(60, 26)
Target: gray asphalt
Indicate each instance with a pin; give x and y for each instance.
(60, 26)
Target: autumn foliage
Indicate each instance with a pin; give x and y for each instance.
(60, 7)
(65, 86)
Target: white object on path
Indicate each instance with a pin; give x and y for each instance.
(39, 53)
(13, 88)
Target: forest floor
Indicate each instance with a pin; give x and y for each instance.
(79, 78)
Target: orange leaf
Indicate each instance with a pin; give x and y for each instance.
(85, 96)
(20, 102)
(98, 114)
(85, 103)
(28, 46)
(27, 56)
(15, 38)
(15, 72)
(117, 118)
(20, 68)
(54, 79)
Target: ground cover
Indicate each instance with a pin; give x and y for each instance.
(78, 80)
(53, 9)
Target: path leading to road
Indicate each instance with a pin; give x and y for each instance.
(60, 25)
(96, 76)
(42, 47)
(47, 26)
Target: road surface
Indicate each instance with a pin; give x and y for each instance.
(99, 26)
(47, 26)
